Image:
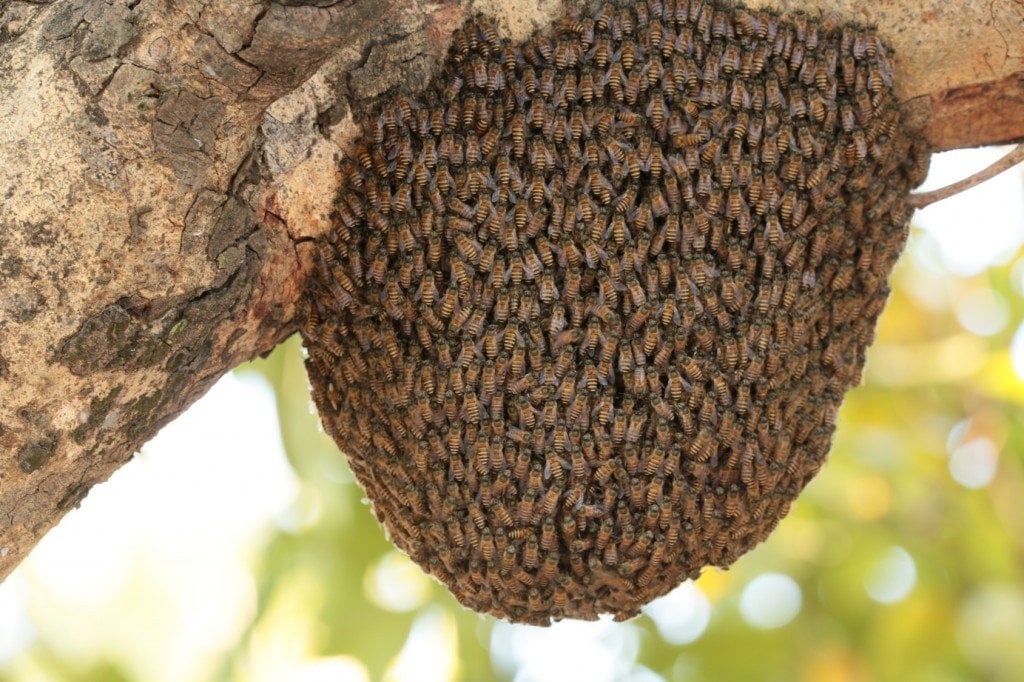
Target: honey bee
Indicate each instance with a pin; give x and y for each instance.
(549, 502)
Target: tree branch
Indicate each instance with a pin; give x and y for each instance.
(138, 259)
(959, 65)
(920, 200)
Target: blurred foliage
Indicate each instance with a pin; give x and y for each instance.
(320, 576)
(959, 614)
(904, 573)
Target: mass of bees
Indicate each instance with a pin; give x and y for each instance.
(591, 302)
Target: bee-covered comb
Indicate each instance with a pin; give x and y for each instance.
(591, 302)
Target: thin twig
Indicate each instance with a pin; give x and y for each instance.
(922, 199)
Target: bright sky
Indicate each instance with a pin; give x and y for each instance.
(980, 227)
(171, 553)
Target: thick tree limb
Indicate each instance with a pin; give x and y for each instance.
(959, 65)
(162, 166)
(136, 260)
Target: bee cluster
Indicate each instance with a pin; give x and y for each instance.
(591, 303)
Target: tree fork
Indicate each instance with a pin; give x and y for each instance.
(162, 170)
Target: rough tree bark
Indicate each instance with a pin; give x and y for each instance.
(163, 167)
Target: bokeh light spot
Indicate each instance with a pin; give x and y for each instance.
(1017, 276)
(331, 669)
(682, 615)
(430, 653)
(982, 311)
(568, 650)
(1017, 352)
(644, 674)
(397, 584)
(973, 463)
(892, 577)
(770, 600)
(957, 433)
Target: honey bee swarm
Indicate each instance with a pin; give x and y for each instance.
(591, 303)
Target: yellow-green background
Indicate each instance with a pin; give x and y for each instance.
(931, 387)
